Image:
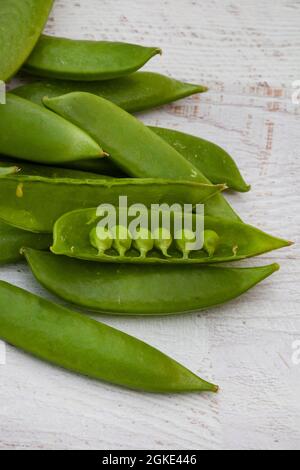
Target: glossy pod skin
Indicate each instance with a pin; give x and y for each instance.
(216, 164)
(29, 132)
(85, 346)
(237, 241)
(136, 92)
(142, 290)
(62, 191)
(86, 60)
(133, 147)
(13, 239)
(21, 25)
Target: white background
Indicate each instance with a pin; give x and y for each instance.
(248, 54)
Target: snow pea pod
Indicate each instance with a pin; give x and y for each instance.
(13, 239)
(136, 92)
(86, 60)
(142, 290)
(32, 133)
(236, 241)
(133, 147)
(216, 164)
(82, 345)
(62, 191)
(21, 25)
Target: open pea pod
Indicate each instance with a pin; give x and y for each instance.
(21, 25)
(236, 240)
(142, 290)
(82, 345)
(35, 197)
(13, 239)
(132, 146)
(86, 60)
(136, 92)
(30, 132)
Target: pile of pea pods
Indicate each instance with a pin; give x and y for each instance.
(69, 142)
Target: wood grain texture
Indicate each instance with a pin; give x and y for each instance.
(248, 54)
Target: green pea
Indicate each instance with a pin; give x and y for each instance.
(162, 240)
(63, 191)
(124, 289)
(102, 239)
(75, 342)
(8, 170)
(29, 132)
(122, 239)
(13, 239)
(183, 238)
(71, 235)
(143, 242)
(136, 92)
(86, 60)
(139, 152)
(211, 242)
(21, 25)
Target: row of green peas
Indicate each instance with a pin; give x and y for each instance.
(120, 239)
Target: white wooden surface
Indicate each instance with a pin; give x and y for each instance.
(248, 53)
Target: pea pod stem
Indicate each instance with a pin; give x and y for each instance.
(80, 344)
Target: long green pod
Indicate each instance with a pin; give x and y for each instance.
(25, 195)
(237, 241)
(142, 290)
(86, 60)
(133, 147)
(136, 92)
(13, 239)
(30, 132)
(214, 162)
(22, 22)
(82, 345)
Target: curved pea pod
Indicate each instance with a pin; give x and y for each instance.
(86, 60)
(82, 345)
(13, 239)
(137, 150)
(63, 191)
(142, 290)
(136, 92)
(21, 25)
(237, 241)
(214, 162)
(29, 132)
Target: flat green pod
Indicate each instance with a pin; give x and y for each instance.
(136, 92)
(13, 239)
(35, 197)
(132, 146)
(22, 22)
(77, 343)
(142, 290)
(86, 60)
(33, 133)
(237, 241)
(213, 161)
